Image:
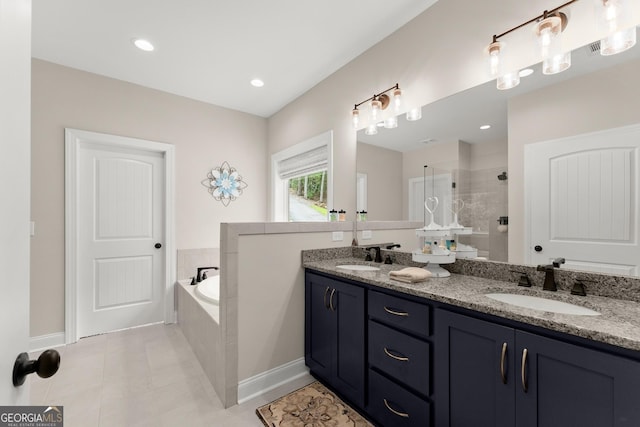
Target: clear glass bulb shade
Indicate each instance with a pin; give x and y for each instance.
(375, 109)
(495, 53)
(556, 63)
(355, 118)
(371, 129)
(397, 100)
(508, 80)
(391, 122)
(548, 34)
(414, 114)
(618, 42)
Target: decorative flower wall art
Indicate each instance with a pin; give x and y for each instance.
(224, 183)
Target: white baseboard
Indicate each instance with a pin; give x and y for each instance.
(268, 380)
(44, 342)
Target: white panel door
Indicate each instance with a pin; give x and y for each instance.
(583, 201)
(15, 169)
(120, 221)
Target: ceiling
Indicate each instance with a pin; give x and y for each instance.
(209, 50)
(459, 117)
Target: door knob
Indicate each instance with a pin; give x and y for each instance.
(158, 245)
(46, 365)
(537, 248)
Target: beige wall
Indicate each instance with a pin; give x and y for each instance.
(383, 168)
(581, 105)
(271, 293)
(439, 53)
(204, 136)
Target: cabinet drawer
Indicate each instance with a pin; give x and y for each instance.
(402, 357)
(399, 312)
(392, 405)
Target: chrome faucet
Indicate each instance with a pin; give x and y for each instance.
(549, 278)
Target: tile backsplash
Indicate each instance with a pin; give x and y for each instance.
(189, 260)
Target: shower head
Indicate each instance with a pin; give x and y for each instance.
(502, 176)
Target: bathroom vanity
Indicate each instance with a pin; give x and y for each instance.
(441, 353)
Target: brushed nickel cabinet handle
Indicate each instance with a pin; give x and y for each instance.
(333, 291)
(502, 360)
(523, 372)
(326, 291)
(400, 414)
(393, 356)
(397, 313)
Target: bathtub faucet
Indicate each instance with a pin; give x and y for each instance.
(200, 277)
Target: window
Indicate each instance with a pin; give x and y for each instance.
(302, 185)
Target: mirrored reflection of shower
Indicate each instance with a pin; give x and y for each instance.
(438, 183)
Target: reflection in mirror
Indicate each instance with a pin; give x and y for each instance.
(449, 138)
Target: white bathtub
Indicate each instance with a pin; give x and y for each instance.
(209, 289)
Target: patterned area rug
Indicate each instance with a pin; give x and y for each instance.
(310, 406)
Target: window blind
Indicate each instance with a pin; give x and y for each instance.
(305, 163)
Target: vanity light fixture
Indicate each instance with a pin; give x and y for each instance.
(614, 19)
(548, 28)
(379, 102)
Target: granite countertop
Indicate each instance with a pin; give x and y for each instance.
(618, 323)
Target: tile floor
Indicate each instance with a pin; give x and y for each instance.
(145, 376)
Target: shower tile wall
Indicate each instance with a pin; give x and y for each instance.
(190, 259)
(485, 199)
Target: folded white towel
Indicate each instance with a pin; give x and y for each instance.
(410, 274)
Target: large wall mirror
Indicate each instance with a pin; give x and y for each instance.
(450, 141)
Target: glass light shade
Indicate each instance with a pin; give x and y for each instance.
(397, 100)
(355, 118)
(391, 122)
(508, 80)
(371, 129)
(547, 31)
(414, 114)
(376, 106)
(618, 42)
(495, 53)
(556, 63)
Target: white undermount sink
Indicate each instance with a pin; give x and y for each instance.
(358, 267)
(543, 304)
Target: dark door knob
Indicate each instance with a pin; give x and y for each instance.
(158, 245)
(538, 248)
(46, 365)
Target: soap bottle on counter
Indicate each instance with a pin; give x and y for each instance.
(342, 215)
(333, 215)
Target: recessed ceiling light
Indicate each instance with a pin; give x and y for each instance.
(526, 72)
(257, 83)
(143, 44)
(485, 127)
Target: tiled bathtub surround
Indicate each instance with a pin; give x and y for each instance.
(190, 259)
(618, 324)
(199, 322)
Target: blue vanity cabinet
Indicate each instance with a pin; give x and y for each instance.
(535, 382)
(560, 384)
(335, 334)
(399, 351)
(473, 387)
